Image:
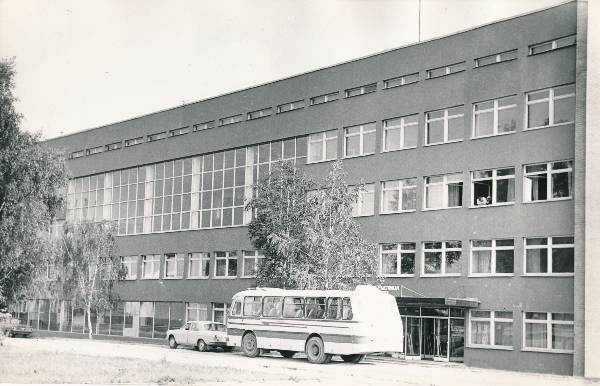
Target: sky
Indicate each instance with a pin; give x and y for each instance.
(85, 64)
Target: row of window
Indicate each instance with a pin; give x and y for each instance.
(333, 96)
(133, 319)
(549, 256)
(198, 265)
(294, 307)
(548, 107)
(548, 181)
(542, 331)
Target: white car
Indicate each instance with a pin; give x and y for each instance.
(200, 334)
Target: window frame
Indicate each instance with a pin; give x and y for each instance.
(154, 261)
(549, 247)
(446, 118)
(301, 104)
(444, 184)
(94, 150)
(175, 258)
(550, 100)
(444, 249)
(495, 111)
(329, 97)
(323, 140)
(400, 190)
(553, 44)
(361, 134)
(203, 126)
(399, 252)
(493, 249)
(262, 113)
(180, 131)
(113, 146)
(157, 136)
(548, 322)
(403, 81)
(448, 69)
(228, 256)
(134, 141)
(492, 319)
(365, 89)
(255, 255)
(132, 263)
(200, 258)
(230, 120)
(498, 58)
(359, 204)
(402, 126)
(548, 173)
(494, 178)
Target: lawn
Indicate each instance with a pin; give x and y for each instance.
(20, 366)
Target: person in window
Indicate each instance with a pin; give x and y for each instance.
(481, 201)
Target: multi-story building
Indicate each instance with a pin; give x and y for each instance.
(467, 146)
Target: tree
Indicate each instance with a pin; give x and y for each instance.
(33, 178)
(308, 235)
(88, 268)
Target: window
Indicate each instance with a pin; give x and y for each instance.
(401, 80)
(196, 311)
(548, 181)
(293, 307)
(399, 196)
(173, 266)
(493, 187)
(444, 125)
(272, 306)
(491, 329)
(443, 192)
(548, 331)
(199, 265)
(76, 154)
(226, 264)
(180, 131)
(324, 98)
(442, 258)
(113, 146)
(259, 113)
(495, 117)
(156, 137)
(552, 45)
(204, 126)
(252, 305)
(397, 259)
(150, 266)
(290, 106)
(549, 256)
(551, 106)
(134, 141)
(94, 150)
(230, 120)
(364, 206)
(130, 265)
(322, 146)
(355, 91)
(492, 257)
(446, 70)
(252, 261)
(219, 312)
(339, 308)
(359, 140)
(400, 133)
(496, 58)
(315, 308)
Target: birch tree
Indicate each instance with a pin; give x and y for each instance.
(88, 266)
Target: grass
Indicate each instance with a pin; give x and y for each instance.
(20, 366)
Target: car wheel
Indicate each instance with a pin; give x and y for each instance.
(315, 351)
(249, 345)
(172, 342)
(202, 346)
(353, 358)
(287, 353)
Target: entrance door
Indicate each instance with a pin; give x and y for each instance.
(435, 338)
(412, 338)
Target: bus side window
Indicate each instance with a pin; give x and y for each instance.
(236, 308)
(315, 308)
(293, 307)
(252, 305)
(334, 309)
(272, 306)
(347, 309)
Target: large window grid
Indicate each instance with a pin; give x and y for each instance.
(359, 140)
(493, 187)
(492, 257)
(551, 106)
(548, 331)
(442, 258)
(444, 126)
(401, 133)
(495, 117)
(443, 192)
(172, 195)
(491, 329)
(322, 146)
(399, 196)
(397, 259)
(548, 181)
(552, 256)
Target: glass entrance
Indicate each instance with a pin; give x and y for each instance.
(435, 338)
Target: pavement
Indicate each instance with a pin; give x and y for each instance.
(372, 371)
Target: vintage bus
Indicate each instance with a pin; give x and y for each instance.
(320, 323)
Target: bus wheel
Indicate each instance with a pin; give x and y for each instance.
(249, 347)
(353, 358)
(287, 353)
(315, 351)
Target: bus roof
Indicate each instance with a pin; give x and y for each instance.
(283, 292)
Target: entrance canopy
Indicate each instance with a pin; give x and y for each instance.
(436, 302)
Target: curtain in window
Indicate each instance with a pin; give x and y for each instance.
(455, 194)
(482, 261)
(535, 335)
(480, 332)
(562, 336)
